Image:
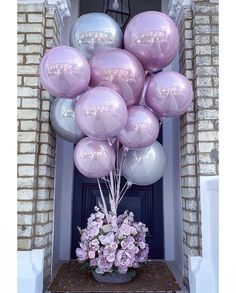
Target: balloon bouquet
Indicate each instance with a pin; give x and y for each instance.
(111, 101)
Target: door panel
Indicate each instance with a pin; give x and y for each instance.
(144, 201)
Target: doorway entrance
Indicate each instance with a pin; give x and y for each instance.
(144, 201)
(170, 200)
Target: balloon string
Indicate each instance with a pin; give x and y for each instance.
(122, 159)
(129, 184)
(103, 199)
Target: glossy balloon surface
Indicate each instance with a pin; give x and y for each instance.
(169, 94)
(144, 91)
(62, 117)
(153, 38)
(101, 113)
(140, 130)
(94, 158)
(64, 72)
(145, 166)
(119, 70)
(93, 32)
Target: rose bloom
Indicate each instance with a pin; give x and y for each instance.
(95, 242)
(94, 231)
(125, 229)
(81, 254)
(111, 257)
(99, 215)
(142, 245)
(133, 231)
(91, 254)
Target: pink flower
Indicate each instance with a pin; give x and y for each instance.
(142, 245)
(91, 254)
(93, 262)
(107, 239)
(103, 264)
(95, 242)
(84, 236)
(133, 231)
(125, 229)
(96, 247)
(124, 259)
(84, 245)
(99, 222)
(99, 215)
(94, 232)
(122, 270)
(113, 245)
(111, 257)
(118, 242)
(81, 254)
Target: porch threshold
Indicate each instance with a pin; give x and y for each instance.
(154, 277)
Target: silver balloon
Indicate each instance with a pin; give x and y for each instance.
(63, 121)
(145, 166)
(93, 32)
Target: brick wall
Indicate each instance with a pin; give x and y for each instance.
(38, 30)
(199, 126)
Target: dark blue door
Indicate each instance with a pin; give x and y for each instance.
(144, 201)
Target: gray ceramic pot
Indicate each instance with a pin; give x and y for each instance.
(114, 277)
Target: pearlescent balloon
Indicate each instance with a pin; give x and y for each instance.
(64, 72)
(169, 94)
(62, 117)
(119, 70)
(145, 166)
(94, 158)
(140, 130)
(94, 32)
(142, 99)
(153, 38)
(101, 113)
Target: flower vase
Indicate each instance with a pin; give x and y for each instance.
(114, 277)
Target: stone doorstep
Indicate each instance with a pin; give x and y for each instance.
(157, 271)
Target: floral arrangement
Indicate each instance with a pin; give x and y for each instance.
(116, 244)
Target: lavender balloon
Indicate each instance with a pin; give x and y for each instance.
(145, 166)
(169, 94)
(141, 129)
(119, 70)
(64, 72)
(94, 158)
(153, 38)
(143, 95)
(101, 113)
(93, 32)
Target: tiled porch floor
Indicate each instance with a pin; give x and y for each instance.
(176, 274)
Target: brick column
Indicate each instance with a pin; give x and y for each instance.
(38, 30)
(198, 27)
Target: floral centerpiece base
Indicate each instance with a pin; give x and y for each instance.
(114, 277)
(113, 246)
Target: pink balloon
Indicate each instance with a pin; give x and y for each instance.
(101, 113)
(64, 72)
(169, 94)
(141, 129)
(142, 100)
(153, 38)
(94, 158)
(119, 70)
